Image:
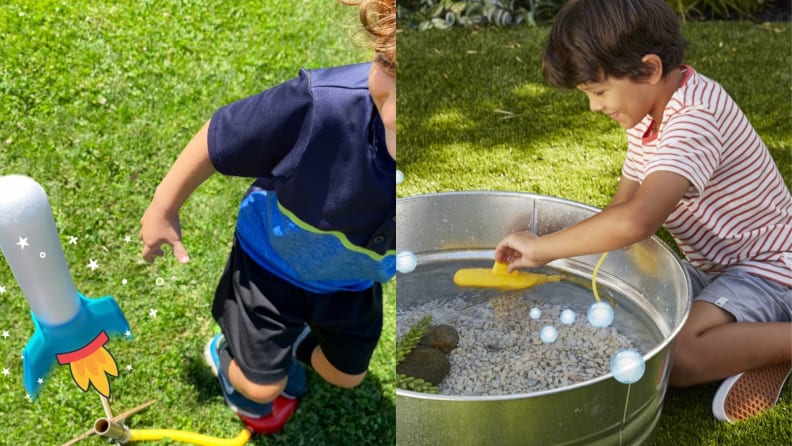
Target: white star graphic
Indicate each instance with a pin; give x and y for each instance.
(6, 334)
(129, 367)
(93, 264)
(6, 372)
(22, 243)
(40, 381)
(2, 289)
(128, 334)
(153, 312)
(73, 240)
(127, 239)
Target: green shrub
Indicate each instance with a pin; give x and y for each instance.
(443, 14)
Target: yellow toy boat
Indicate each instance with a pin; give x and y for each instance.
(499, 277)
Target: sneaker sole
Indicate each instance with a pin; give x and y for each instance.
(208, 356)
(750, 393)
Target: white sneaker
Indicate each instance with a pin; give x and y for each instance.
(742, 396)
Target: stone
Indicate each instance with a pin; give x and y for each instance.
(427, 363)
(442, 337)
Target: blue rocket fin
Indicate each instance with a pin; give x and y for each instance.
(94, 316)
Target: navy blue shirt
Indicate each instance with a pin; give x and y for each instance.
(321, 212)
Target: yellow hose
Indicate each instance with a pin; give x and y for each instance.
(187, 437)
(594, 275)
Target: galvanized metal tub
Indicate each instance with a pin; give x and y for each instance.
(466, 226)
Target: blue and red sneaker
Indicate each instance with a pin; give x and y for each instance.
(247, 409)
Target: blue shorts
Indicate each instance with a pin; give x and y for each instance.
(747, 297)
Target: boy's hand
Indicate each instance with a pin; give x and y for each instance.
(156, 229)
(519, 251)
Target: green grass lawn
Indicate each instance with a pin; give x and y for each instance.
(476, 114)
(97, 99)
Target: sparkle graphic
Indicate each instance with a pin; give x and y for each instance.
(129, 367)
(6, 334)
(127, 239)
(22, 243)
(40, 381)
(73, 240)
(124, 282)
(153, 312)
(6, 372)
(2, 289)
(93, 264)
(128, 334)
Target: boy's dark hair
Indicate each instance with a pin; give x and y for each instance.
(592, 40)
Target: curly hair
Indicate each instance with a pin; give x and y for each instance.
(378, 18)
(592, 40)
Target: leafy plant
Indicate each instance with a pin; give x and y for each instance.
(403, 348)
(412, 338)
(415, 384)
(443, 14)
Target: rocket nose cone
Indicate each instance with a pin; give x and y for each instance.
(20, 196)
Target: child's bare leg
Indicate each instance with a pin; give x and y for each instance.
(712, 346)
(331, 374)
(260, 393)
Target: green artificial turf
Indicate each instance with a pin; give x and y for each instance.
(476, 114)
(97, 98)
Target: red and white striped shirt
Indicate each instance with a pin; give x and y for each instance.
(737, 211)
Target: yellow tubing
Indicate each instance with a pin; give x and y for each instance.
(594, 275)
(187, 437)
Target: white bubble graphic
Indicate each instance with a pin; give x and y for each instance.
(600, 314)
(627, 366)
(549, 334)
(406, 261)
(568, 317)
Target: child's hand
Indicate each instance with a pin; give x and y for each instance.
(518, 250)
(156, 229)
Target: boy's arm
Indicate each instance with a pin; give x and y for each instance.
(624, 191)
(160, 223)
(622, 223)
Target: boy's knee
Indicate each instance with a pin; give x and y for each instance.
(331, 374)
(345, 380)
(260, 393)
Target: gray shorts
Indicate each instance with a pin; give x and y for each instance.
(747, 297)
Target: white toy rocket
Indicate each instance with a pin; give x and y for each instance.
(69, 328)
